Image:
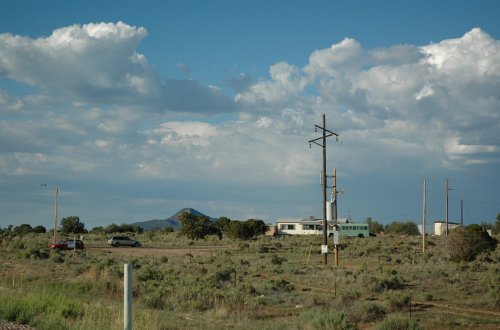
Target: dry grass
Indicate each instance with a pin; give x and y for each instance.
(268, 283)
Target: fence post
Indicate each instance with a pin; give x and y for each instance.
(127, 296)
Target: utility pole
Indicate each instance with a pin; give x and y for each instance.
(321, 141)
(335, 196)
(335, 214)
(446, 214)
(423, 215)
(55, 216)
(461, 212)
(56, 208)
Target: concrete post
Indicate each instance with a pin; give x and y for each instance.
(127, 296)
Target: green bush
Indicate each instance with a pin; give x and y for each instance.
(277, 260)
(36, 253)
(398, 300)
(383, 283)
(327, 319)
(223, 276)
(465, 244)
(398, 322)
(371, 311)
(281, 285)
(347, 298)
(34, 309)
(56, 256)
(402, 228)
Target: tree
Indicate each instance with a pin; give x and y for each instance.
(402, 228)
(23, 229)
(195, 227)
(123, 228)
(246, 229)
(112, 228)
(374, 226)
(496, 228)
(240, 230)
(168, 230)
(258, 226)
(72, 225)
(98, 229)
(465, 244)
(222, 223)
(39, 229)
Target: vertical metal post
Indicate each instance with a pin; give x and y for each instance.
(127, 296)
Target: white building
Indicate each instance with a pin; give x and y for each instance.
(311, 226)
(440, 227)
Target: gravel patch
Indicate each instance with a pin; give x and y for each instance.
(7, 325)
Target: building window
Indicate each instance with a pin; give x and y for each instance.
(288, 227)
(308, 227)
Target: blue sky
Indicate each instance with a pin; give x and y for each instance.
(138, 109)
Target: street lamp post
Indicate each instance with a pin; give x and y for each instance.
(56, 208)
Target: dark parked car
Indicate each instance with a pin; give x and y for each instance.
(67, 244)
(123, 241)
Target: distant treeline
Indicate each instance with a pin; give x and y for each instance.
(25, 229)
(114, 228)
(395, 227)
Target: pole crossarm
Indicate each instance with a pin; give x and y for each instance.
(315, 141)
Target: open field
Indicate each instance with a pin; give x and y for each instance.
(267, 283)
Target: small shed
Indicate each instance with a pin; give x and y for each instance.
(271, 230)
(440, 227)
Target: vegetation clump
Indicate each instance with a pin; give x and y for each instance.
(261, 282)
(402, 228)
(465, 244)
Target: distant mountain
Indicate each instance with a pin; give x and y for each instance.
(173, 221)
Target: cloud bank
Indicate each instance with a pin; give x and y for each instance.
(84, 104)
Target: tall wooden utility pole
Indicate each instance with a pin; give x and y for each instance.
(56, 208)
(423, 215)
(335, 219)
(446, 214)
(55, 216)
(322, 144)
(461, 212)
(335, 196)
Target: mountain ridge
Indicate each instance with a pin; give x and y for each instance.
(172, 221)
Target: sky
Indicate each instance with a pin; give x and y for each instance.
(134, 110)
